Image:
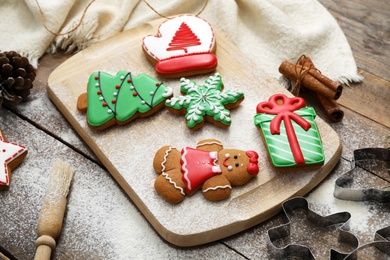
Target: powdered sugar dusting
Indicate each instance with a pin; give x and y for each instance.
(132, 160)
(366, 217)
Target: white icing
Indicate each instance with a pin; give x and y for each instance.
(168, 92)
(184, 168)
(218, 187)
(173, 183)
(166, 175)
(216, 168)
(8, 152)
(214, 155)
(156, 46)
(207, 143)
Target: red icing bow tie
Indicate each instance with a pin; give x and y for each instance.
(253, 167)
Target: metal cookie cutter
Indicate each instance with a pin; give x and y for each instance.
(373, 160)
(381, 242)
(332, 230)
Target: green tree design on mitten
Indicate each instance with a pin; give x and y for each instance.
(122, 97)
(205, 100)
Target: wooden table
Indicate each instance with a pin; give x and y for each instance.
(120, 232)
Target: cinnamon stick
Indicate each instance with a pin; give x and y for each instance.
(292, 71)
(306, 62)
(331, 108)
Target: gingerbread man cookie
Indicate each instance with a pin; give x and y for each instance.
(184, 45)
(11, 155)
(208, 167)
(207, 102)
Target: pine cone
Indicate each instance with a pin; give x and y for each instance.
(16, 77)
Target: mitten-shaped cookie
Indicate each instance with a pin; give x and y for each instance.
(184, 46)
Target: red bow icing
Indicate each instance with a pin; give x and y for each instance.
(253, 167)
(283, 107)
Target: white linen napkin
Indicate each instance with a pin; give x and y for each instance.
(267, 31)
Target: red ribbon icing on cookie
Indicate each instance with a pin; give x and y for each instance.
(253, 167)
(283, 107)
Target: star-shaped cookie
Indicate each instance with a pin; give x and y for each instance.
(11, 155)
(206, 102)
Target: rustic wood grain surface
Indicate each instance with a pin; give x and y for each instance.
(42, 128)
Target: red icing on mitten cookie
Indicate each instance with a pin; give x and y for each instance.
(208, 167)
(184, 46)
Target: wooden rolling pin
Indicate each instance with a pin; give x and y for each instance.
(53, 210)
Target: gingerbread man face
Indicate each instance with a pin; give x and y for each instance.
(238, 166)
(208, 168)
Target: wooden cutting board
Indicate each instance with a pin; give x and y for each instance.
(128, 150)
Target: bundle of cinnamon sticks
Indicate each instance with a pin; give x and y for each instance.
(306, 75)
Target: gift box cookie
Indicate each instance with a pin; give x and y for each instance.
(289, 132)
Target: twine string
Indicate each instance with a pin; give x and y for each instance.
(300, 76)
(44, 22)
(166, 17)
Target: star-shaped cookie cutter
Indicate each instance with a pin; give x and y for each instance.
(373, 160)
(340, 221)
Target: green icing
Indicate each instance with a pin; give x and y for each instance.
(112, 96)
(278, 145)
(208, 99)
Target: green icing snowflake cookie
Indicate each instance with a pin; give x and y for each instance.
(207, 102)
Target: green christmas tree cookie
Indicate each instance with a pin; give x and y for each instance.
(120, 98)
(207, 102)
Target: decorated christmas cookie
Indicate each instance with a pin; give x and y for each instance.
(120, 98)
(184, 46)
(290, 133)
(208, 167)
(11, 155)
(207, 102)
